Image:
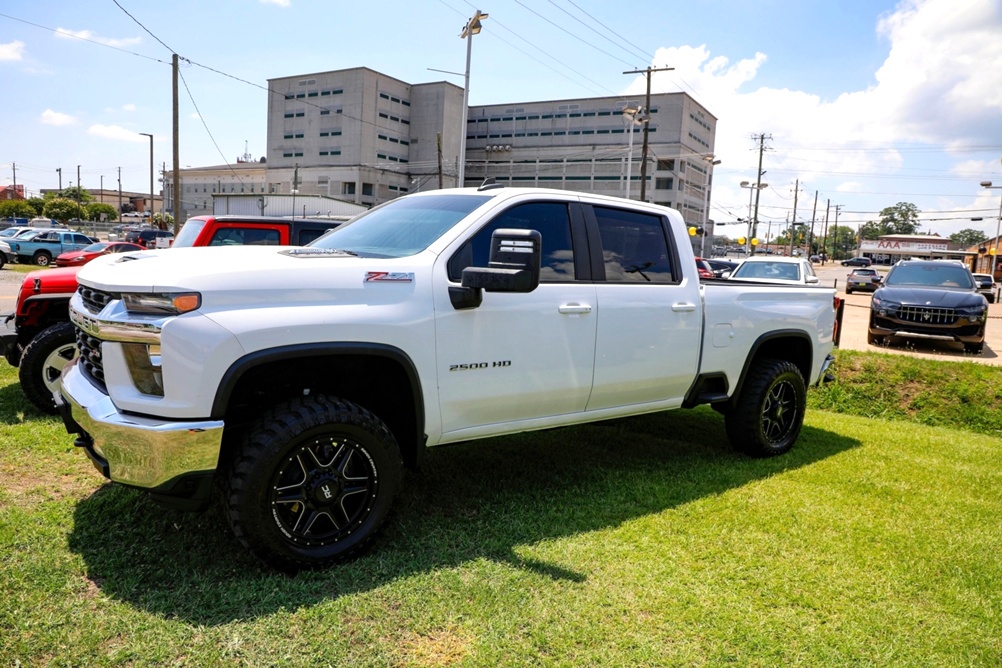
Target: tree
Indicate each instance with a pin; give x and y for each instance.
(61, 209)
(902, 218)
(841, 240)
(162, 220)
(95, 209)
(16, 208)
(75, 193)
(871, 230)
(967, 237)
(37, 203)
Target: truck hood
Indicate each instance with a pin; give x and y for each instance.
(230, 269)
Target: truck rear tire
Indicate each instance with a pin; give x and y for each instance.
(769, 413)
(42, 364)
(313, 483)
(43, 258)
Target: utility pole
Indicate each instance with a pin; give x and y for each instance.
(438, 140)
(79, 192)
(295, 186)
(814, 215)
(837, 207)
(120, 191)
(824, 235)
(59, 170)
(758, 187)
(176, 181)
(793, 227)
(647, 106)
(13, 167)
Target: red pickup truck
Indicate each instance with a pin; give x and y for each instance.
(38, 337)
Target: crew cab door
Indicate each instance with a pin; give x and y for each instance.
(517, 356)
(650, 319)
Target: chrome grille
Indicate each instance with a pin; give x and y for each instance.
(927, 315)
(90, 357)
(96, 300)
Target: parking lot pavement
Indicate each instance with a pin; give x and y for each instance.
(10, 282)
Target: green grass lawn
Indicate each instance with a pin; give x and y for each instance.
(640, 542)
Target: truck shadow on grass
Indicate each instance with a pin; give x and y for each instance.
(471, 501)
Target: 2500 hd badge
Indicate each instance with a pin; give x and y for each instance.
(479, 365)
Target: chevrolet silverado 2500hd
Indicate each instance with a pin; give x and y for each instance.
(299, 381)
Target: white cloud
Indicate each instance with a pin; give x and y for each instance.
(129, 107)
(116, 132)
(90, 36)
(280, 3)
(12, 51)
(940, 86)
(195, 116)
(50, 117)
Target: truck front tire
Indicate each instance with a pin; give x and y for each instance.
(313, 483)
(42, 363)
(769, 413)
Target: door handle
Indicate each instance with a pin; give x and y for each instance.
(574, 308)
(683, 307)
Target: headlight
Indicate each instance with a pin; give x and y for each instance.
(883, 306)
(162, 303)
(972, 313)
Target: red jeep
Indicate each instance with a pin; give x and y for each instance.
(38, 337)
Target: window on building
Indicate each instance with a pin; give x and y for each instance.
(666, 165)
(348, 188)
(367, 190)
(664, 184)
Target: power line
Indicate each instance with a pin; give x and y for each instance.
(142, 26)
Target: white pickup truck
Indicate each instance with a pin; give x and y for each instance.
(299, 381)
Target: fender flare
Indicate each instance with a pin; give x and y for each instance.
(241, 366)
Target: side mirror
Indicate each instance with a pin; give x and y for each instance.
(514, 264)
(812, 280)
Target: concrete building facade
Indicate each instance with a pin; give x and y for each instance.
(200, 184)
(361, 136)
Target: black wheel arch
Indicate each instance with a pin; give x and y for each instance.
(793, 345)
(381, 378)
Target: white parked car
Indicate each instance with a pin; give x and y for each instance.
(772, 269)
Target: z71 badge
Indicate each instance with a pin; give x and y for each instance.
(388, 277)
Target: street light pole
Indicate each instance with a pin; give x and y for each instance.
(472, 28)
(998, 222)
(706, 201)
(147, 134)
(630, 117)
(753, 188)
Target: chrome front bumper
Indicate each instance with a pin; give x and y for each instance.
(132, 450)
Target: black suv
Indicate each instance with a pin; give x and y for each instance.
(148, 238)
(929, 299)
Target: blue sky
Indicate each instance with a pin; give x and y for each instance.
(867, 102)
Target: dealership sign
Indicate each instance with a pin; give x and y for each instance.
(890, 246)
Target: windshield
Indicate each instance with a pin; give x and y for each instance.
(770, 270)
(939, 275)
(95, 248)
(189, 233)
(402, 227)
